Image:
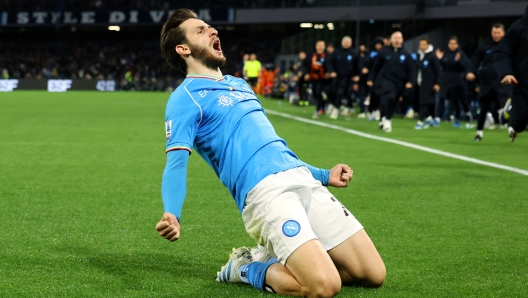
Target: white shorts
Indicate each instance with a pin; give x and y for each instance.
(287, 209)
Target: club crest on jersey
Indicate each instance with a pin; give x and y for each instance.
(225, 101)
(168, 129)
(426, 63)
(402, 58)
(291, 228)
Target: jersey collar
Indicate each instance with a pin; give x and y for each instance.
(200, 76)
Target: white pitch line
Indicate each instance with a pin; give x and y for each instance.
(406, 144)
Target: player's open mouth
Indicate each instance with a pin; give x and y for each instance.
(216, 46)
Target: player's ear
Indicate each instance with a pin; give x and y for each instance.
(183, 49)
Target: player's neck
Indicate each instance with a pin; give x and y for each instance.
(199, 69)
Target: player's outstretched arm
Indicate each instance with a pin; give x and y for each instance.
(340, 176)
(173, 192)
(169, 227)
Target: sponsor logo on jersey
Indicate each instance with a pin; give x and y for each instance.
(291, 228)
(225, 101)
(168, 129)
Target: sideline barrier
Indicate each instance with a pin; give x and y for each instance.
(56, 85)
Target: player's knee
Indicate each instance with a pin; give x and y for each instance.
(325, 288)
(376, 277)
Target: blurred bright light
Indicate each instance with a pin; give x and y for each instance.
(114, 28)
(372, 21)
(306, 25)
(318, 26)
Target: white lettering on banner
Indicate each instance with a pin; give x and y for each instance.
(8, 85)
(59, 85)
(156, 15)
(105, 85)
(88, 17)
(204, 15)
(133, 16)
(22, 18)
(55, 16)
(40, 16)
(68, 18)
(117, 17)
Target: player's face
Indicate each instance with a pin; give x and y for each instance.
(204, 43)
(452, 45)
(346, 43)
(378, 46)
(423, 45)
(397, 40)
(497, 34)
(320, 47)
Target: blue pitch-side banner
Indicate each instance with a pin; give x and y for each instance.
(115, 17)
(10, 85)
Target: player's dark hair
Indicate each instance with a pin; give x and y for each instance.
(426, 39)
(453, 38)
(172, 35)
(498, 25)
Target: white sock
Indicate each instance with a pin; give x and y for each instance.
(480, 133)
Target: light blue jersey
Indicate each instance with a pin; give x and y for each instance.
(223, 121)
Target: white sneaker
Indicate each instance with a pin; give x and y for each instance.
(315, 115)
(335, 114)
(381, 123)
(330, 109)
(377, 115)
(229, 272)
(260, 254)
(361, 116)
(387, 126)
(345, 112)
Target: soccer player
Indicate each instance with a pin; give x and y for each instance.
(343, 69)
(492, 92)
(283, 202)
(452, 86)
(392, 72)
(427, 82)
(512, 66)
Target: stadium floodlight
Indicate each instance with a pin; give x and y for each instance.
(306, 25)
(114, 28)
(330, 26)
(318, 26)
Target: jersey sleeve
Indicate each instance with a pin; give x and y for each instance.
(182, 119)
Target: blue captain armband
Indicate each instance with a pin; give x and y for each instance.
(319, 174)
(174, 182)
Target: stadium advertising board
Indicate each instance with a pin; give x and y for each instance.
(56, 85)
(116, 17)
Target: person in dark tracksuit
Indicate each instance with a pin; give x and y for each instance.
(363, 89)
(315, 73)
(428, 76)
(392, 72)
(301, 83)
(373, 99)
(343, 69)
(453, 85)
(492, 93)
(511, 62)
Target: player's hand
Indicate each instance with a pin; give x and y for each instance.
(457, 56)
(408, 85)
(333, 74)
(340, 175)
(169, 227)
(470, 76)
(508, 80)
(439, 54)
(365, 70)
(436, 88)
(370, 84)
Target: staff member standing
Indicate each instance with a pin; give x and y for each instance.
(343, 69)
(511, 59)
(392, 72)
(453, 85)
(252, 71)
(315, 73)
(373, 100)
(492, 92)
(427, 82)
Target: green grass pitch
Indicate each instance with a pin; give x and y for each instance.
(80, 176)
